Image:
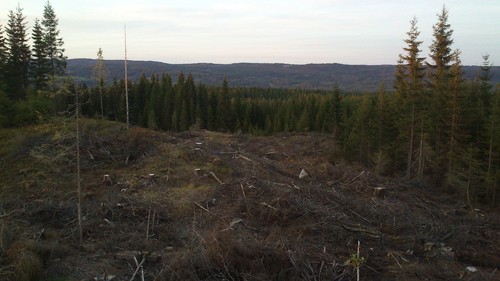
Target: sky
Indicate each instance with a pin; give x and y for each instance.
(265, 31)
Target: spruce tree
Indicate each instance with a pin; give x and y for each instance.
(493, 168)
(456, 95)
(39, 67)
(213, 110)
(3, 58)
(441, 53)
(99, 72)
(455, 146)
(224, 109)
(439, 84)
(169, 102)
(5, 104)
(410, 85)
(492, 131)
(3, 53)
(180, 104)
(18, 55)
(191, 101)
(337, 115)
(54, 43)
(203, 106)
(485, 82)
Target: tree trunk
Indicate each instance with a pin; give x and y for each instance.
(420, 170)
(78, 181)
(410, 147)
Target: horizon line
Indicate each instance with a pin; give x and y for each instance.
(247, 62)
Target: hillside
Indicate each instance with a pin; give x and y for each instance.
(200, 205)
(310, 76)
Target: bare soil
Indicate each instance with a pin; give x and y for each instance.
(209, 206)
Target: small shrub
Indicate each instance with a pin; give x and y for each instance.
(34, 110)
(5, 110)
(24, 257)
(6, 237)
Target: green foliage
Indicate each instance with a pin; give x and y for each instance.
(39, 67)
(5, 110)
(18, 60)
(34, 110)
(54, 43)
(356, 261)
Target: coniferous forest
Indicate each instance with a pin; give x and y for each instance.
(432, 126)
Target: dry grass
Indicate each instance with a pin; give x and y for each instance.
(24, 258)
(181, 200)
(6, 237)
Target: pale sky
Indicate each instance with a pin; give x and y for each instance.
(266, 31)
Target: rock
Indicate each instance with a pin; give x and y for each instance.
(303, 174)
(471, 269)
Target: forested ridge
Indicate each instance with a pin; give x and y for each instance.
(431, 125)
(351, 78)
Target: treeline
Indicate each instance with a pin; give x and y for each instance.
(385, 130)
(158, 103)
(29, 74)
(431, 126)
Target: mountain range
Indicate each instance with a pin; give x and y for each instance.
(355, 78)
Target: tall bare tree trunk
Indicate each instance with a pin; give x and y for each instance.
(126, 78)
(78, 181)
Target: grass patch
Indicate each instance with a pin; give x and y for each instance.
(182, 199)
(23, 257)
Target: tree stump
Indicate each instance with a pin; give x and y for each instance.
(379, 192)
(107, 179)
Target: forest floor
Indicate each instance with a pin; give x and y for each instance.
(201, 205)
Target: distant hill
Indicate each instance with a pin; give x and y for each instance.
(278, 75)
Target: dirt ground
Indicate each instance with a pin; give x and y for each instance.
(209, 206)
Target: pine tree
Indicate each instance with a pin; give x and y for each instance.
(18, 55)
(53, 42)
(39, 67)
